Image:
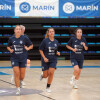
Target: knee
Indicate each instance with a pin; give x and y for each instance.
(51, 72)
(45, 75)
(77, 71)
(22, 76)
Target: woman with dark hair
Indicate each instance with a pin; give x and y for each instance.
(48, 51)
(77, 44)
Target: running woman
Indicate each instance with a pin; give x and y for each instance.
(23, 33)
(77, 44)
(48, 50)
(18, 45)
(12, 78)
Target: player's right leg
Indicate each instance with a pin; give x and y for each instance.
(17, 78)
(76, 71)
(45, 69)
(15, 66)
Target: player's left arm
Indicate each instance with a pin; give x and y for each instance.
(29, 44)
(58, 53)
(85, 45)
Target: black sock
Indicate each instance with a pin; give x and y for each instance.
(48, 85)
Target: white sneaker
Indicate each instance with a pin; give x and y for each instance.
(18, 91)
(75, 86)
(22, 83)
(48, 90)
(41, 76)
(12, 78)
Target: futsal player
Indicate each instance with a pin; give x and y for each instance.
(22, 83)
(48, 50)
(18, 45)
(77, 44)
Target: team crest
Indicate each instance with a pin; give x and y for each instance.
(81, 43)
(21, 42)
(55, 45)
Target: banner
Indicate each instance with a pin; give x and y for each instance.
(36, 8)
(50, 8)
(79, 7)
(7, 8)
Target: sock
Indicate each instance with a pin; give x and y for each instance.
(73, 77)
(48, 85)
(76, 81)
(18, 88)
(21, 80)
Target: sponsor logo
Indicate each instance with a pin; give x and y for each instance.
(21, 42)
(55, 45)
(69, 7)
(5, 7)
(25, 7)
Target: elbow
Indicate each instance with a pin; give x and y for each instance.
(32, 46)
(66, 46)
(86, 49)
(7, 48)
(40, 51)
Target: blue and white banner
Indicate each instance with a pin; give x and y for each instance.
(79, 7)
(36, 8)
(50, 8)
(7, 8)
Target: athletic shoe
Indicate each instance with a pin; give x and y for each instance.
(41, 76)
(22, 84)
(12, 78)
(75, 86)
(48, 90)
(18, 91)
(72, 81)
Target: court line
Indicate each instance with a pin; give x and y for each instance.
(9, 67)
(38, 94)
(47, 97)
(7, 82)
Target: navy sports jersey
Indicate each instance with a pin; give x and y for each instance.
(49, 49)
(17, 44)
(77, 44)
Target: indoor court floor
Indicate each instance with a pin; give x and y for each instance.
(89, 83)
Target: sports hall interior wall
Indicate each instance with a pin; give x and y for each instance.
(64, 27)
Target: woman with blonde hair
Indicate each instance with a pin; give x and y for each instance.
(18, 45)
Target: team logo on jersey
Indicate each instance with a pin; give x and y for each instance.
(55, 45)
(21, 42)
(75, 40)
(14, 41)
(81, 43)
(49, 42)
